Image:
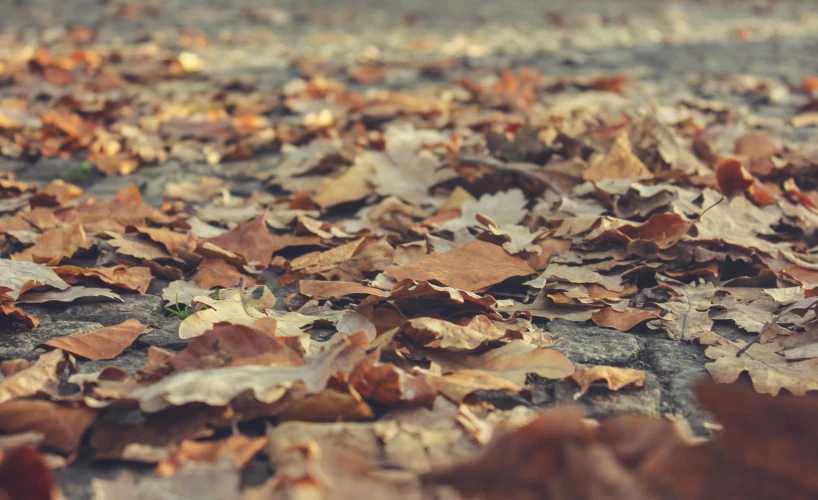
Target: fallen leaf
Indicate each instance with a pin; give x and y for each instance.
(212, 273)
(62, 426)
(769, 371)
(105, 343)
(473, 267)
(234, 345)
(618, 163)
(217, 387)
(459, 384)
(442, 334)
(72, 294)
(616, 378)
(128, 278)
(19, 277)
(623, 321)
(239, 449)
(513, 362)
(42, 376)
(336, 289)
(55, 245)
(25, 474)
(733, 177)
(251, 240)
(182, 292)
(229, 310)
(389, 386)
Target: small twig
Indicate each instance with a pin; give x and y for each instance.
(242, 298)
(764, 329)
(699, 217)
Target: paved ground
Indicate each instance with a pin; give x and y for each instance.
(667, 50)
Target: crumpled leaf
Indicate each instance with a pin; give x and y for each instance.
(105, 343)
(438, 333)
(217, 387)
(616, 378)
(42, 376)
(121, 276)
(17, 277)
(55, 245)
(62, 426)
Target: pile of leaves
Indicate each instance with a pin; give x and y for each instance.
(427, 238)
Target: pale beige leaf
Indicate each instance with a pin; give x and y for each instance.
(769, 370)
(44, 375)
(17, 277)
(69, 295)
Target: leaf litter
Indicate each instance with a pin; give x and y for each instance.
(373, 315)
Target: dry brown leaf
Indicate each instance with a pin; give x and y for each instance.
(513, 362)
(9, 309)
(234, 345)
(239, 448)
(388, 385)
(212, 273)
(24, 473)
(128, 278)
(769, 370)
(616, 378)
(459, 384)
(618, 163)
(219, 386)
(174, 242)
(251, 240)
(766, 451)
(42, 376)
(733, 177)
(438, 333)
(352, 185)
(105, 343)
(135, 247)
(336, 289)
(474, 267)
(623, 321)
(62, 426)
(318, 262)
(55, 245)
